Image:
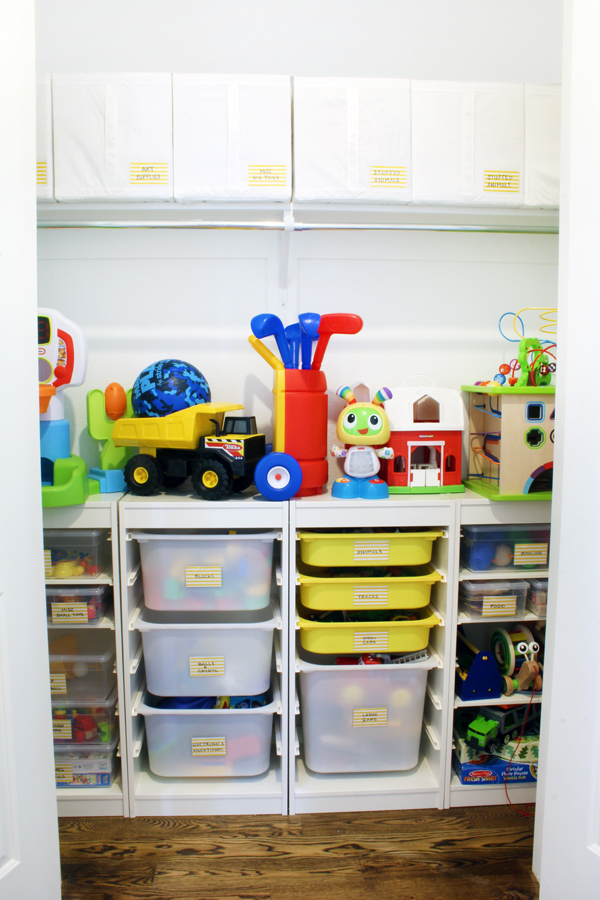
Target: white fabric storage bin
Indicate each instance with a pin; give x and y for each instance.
(362, 718)
(192, 743)
(352, 140)
(542, 145)
(44, 155)
(206, 659)
(499, 144)
(232, 137)
(113, 136)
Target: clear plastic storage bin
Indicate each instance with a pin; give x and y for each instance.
(75, 553)
(206, 572)
(492, 599)
(82, 664)
(486, 547)
(82, 605)
(192, 743)
(362, 718)
(335, 589)
(92, 766)
(537, 596)
(91, 722)
(194, 660)
(407, 548)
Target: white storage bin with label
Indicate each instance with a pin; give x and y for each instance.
(70, 605)
(89, 722)
(75, 553)
(94, 765)
(537, 596)
(206, 572)
(492, 599)
(362, 718)
(194, 659)
(192, 743)
(113, 136)
(352, 140)
(43, 138)
(468, 143)
(232, 137)
(81, 664)
(542, 145)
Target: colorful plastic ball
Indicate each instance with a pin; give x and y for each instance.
(80, 669)
(544, 370)
(168, 386)
(500, 378)
(504, 369)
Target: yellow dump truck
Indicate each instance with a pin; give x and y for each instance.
(220, 453)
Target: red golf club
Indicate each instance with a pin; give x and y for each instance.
(334, 323)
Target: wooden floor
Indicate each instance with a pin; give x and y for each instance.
(482, 853)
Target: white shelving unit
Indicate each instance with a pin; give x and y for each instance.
(153, 795)
(100, 511)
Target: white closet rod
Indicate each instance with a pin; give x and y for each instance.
(303, 226)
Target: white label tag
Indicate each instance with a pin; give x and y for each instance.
(48, 563)
(371, 551)
(213, 746)
(149, 173)
(371, 596)
(531, 554)
(499, 606)
(259, 176)
(371, 640)
(69, 613)
(206, 665)
(42, 172)
(369, 717)
(388, 176)
(203, 577)
(58, 683)
(63, 729)
(63, 773)
(501, 182)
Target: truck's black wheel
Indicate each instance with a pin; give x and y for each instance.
(143, 475)
(240, 484)
(212, 480)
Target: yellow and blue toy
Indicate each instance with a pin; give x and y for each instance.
(363, 426)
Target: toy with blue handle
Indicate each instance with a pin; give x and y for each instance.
(309, 328)
(268, 325)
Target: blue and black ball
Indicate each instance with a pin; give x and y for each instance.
(168, 386)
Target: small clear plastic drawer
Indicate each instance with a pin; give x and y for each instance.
(80, 605)
(92, 722)
(82, 664)
(75, 553)
(492, 599)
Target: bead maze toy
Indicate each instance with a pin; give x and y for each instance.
(516, 654)
(62, 362)
(361, 426)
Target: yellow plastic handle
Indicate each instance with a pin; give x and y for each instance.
(265, 353)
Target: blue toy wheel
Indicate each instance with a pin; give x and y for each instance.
(278, 476)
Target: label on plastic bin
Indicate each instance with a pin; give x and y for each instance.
(531, 555)
(364, 717)
(148, 173)
(62, 729)
(69, 613)
(206, 665)
(42, 172)
(499, 606)
(209, 746)
(63, 773)
(371, 640)
(501, 182)
(371, 551)
(388, 176)
(267, 176)
(47, 563)
(371, 596)
(203, 576)
(58, 683)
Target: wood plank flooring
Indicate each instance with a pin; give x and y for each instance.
(482, 853)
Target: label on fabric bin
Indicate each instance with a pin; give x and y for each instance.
(501, 182)
(63, 773)
(148, 173)
(371, 640)
(69, 613)
(371, 596)
(531, 554)
(58, 683)
(388, 176)
(62, 729)
(47, 563)
(366, 717)
(499, 606)
(371, 551)
(267, 176)
(209, 746)
(206, 665)
(203, 576)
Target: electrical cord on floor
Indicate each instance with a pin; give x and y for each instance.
(531, 806)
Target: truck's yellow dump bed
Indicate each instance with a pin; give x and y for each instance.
(179, 431)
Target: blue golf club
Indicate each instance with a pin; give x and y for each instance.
(293, 336)
(268, 325)
(309, 325)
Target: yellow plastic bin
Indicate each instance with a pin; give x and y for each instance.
(326, 590)
(404, 548)
(368, 637)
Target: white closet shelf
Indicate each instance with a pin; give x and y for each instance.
(465, 619)
(519, 699)
(94, 801)
(502, 575)
(297, 217)
(489, 794)
(108, 621)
